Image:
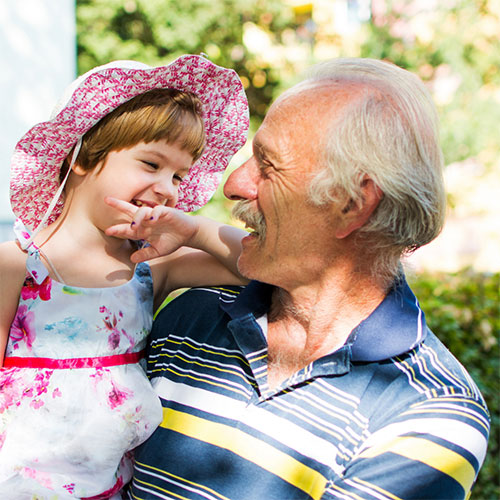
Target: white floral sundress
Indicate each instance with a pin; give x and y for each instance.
(73, 396)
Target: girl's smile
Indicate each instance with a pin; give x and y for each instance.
(146, 175)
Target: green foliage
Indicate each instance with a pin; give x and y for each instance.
(463, 310)
(157, 31)
(456, 50)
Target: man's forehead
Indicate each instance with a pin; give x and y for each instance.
(301, 107)
(332, 90)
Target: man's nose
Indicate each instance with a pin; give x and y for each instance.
(242, 183)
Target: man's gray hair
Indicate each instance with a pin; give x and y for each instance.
(389, 132)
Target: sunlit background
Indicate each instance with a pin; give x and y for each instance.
(453, 45)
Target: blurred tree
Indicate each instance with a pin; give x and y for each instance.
(454, 47)
(157, 31)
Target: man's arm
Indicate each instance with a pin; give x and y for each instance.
(432, 450)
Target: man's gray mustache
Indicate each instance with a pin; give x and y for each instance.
(251, 217)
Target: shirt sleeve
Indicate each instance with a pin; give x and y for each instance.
(431, 450)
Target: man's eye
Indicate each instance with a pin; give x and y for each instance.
(266, 167)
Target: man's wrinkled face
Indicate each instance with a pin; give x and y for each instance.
(289, 232)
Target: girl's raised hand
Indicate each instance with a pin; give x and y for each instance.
(165, 229)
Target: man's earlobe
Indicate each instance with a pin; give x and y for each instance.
(355, 214)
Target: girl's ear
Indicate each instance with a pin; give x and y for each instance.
(78, 170)
(356, 214)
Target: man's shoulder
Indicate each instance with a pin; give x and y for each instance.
(198, 303)
(434, 372)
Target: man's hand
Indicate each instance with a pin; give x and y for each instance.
(165, 229)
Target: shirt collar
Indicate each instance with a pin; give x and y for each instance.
(396, 326)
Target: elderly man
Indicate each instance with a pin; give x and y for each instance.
(320, 379)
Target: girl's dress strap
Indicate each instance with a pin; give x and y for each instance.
(34, 263)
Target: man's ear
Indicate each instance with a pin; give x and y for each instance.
(356, 214)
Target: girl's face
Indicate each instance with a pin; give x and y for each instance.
(144, 175)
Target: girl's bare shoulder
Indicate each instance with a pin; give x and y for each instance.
(12, 259)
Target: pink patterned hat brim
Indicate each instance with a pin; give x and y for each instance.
(38, 156)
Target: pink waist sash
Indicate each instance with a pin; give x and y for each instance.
(98, 362)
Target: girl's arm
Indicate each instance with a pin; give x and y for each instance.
(12, 272)
(187, 250)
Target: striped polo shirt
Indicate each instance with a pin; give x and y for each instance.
(391, 414)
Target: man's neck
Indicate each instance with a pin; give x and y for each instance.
(311, 321)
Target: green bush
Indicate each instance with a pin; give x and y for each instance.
(463, 310)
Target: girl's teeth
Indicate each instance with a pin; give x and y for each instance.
(138, 203)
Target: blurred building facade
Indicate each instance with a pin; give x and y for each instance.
(38, 60)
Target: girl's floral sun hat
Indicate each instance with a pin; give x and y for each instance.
(39, 155)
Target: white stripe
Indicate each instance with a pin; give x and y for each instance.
(339, 394)
(472, 384)
(218, 292)
(410, 376)
(279, 429)
(454, 380)
(223, 382)
(450, 430)
(327, 407)
(365, 488)
(184, 340)
(262, 322)
(166, 479)
(419, 324)
(341, 494)
(315, 420)
(235, 369)
(256, 354)
(147, 490)
(435, 404)
(424, 371)
(310, 418)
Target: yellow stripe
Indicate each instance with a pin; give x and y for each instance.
(444, 369)
(445, 399)
(250, 448)
(181, 479)
(232, 371)
(157, 488)
(236, 356)
(259, 358)
(232, 292)
(412, 373)
(426, 370)
(180, 292)
(432, 454)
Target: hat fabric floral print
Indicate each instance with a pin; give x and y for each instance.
(38, 156)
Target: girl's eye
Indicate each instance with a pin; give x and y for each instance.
(151, 164)
(178, 178)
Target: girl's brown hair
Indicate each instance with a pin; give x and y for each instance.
(159, 114)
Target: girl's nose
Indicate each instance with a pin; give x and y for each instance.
(166, 191)
(242, 183)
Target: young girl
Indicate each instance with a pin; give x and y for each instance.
(128, 144)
